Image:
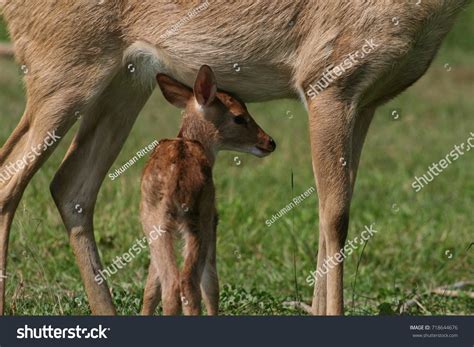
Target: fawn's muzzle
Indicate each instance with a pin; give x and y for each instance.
(272, 144)
(267, 146)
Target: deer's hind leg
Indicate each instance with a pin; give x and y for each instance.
(163, 273)
(196, 249)
(54, 95)
(75, 186)
(152, 292)
(210, 279)
(199, 274)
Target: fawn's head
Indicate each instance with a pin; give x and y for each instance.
(215, 118)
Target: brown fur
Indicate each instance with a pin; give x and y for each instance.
(172, 159)
(178, 192)
(77, 54)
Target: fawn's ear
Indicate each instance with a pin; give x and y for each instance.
(205, 87)
(173, 91)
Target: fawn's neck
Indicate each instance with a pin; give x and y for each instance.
(197, 129)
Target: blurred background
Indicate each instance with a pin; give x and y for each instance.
(422, 241)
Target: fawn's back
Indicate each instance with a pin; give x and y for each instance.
(176, 176)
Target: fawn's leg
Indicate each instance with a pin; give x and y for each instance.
(163, 274)
(101, 136)
(195, 253)
(209, 279)
(152, 293)
(54, 94)
(164, 260)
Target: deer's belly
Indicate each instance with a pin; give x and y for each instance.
(250, 80)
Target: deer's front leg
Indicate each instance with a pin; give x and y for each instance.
(331, 125)
(318, 306)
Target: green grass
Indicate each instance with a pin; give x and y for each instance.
(3, 31)
(260, 267)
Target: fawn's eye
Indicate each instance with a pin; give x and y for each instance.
(239, 120)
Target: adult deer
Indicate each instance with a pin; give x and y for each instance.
(77, 54)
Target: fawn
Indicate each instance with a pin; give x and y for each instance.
(178, 192)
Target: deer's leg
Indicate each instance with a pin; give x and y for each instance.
(164, 260)
(164, 271)
(152, 293)
(361, 126)
(49, 113)
(20, 157)
(320, 286)
(76, 184)
(359, 132)
(195, 253)
(210, 279)
(331, 126)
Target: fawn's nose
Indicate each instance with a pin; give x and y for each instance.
(273, 144)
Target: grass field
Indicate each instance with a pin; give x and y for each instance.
(422, 237)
